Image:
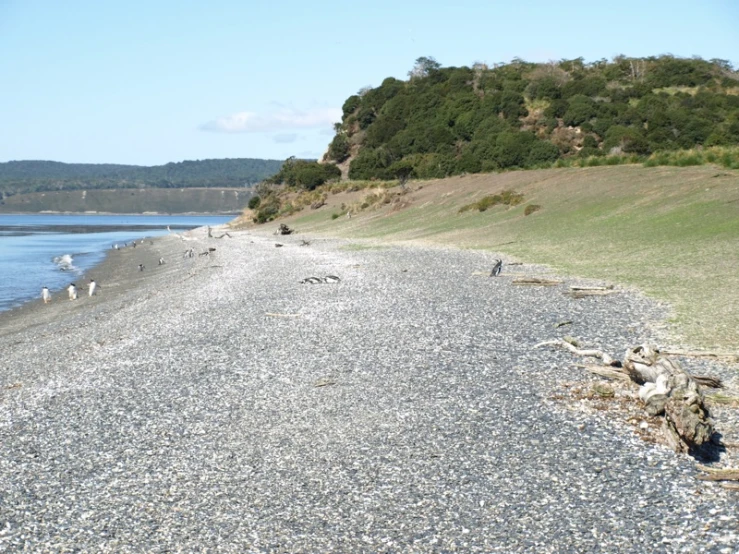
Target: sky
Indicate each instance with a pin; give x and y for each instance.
(158, 81)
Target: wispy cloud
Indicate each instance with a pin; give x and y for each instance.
(278, 120)
(284, 138)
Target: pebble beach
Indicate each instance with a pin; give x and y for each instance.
(217, 404)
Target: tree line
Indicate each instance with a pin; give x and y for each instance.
(445, 121)
(18, 177)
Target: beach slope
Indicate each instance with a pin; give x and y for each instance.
(215, 403)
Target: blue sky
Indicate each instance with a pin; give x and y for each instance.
(149, 82)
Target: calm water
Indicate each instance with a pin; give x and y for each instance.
(50, 250)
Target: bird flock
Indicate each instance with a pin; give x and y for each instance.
(92, 287)
(73, 291)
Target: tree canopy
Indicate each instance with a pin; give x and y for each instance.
(450, 120)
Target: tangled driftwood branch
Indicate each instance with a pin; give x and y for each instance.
(284, 230)
(607, 360)
(666, 389)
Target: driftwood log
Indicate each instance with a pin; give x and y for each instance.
(540, 281)
(666, 389)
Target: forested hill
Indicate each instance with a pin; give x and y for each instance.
(33, 176)
(451, 120)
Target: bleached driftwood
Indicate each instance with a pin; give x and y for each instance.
(585, 293)
(536, 281)
(607, 360)
(718, 474)
(729, 356)
(668, 389)
(284, 230)
(609, 372)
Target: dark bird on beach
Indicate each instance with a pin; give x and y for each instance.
(331, 279)
(46, 295)
(497, 268)
(161, 261)
(141, 267)
(311, 281)
(91, 287)
(72, 291)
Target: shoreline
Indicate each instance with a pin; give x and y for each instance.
(115, 275)
(393, 410)
(101, 271)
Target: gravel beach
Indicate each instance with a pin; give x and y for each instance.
(216, 404)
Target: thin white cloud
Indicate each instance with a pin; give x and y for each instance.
(279, 120)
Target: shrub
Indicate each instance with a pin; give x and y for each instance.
(339, 149)
(254, 202)
(305, 173)
(531, 208)
(542, 152)
(267, 212)
(351, 104)
(506, 198)
(581, 109)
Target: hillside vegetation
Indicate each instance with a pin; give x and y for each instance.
(446, 121)
(18, 177)
(672, 232)
(131, 201)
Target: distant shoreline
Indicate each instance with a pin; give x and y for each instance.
(116, 274)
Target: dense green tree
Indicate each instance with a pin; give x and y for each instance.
(547, 87)
(581, 109)
(424, 67)
(512, 148)
(304, 173)
(339, 148)
(447, 120)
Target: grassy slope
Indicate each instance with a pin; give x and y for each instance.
(672, 232)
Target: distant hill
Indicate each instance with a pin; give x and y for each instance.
(18, 177)
(453, 120)
(131, 201)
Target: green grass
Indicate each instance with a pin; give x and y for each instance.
(672, 232)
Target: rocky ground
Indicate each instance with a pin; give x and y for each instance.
(216, 404)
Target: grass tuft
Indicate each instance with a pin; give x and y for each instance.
(531, 208)
(505, 198)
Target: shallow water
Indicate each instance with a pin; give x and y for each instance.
(53, 250)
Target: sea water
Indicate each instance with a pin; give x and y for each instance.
(52, 250)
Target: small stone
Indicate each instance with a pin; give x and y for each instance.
(603, 390)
